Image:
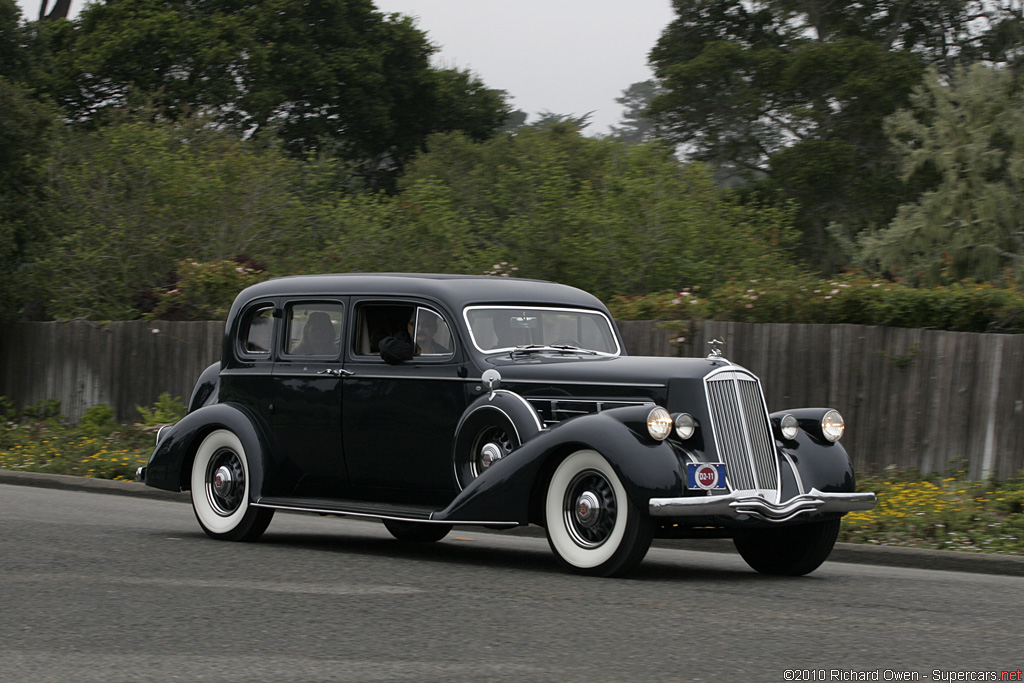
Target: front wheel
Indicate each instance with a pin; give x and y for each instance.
(790, 550)
(592, 527)
(220, 490)
(417, 532)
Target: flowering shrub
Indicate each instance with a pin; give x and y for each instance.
(949, 513)
(851, 298)
(682, 305)
(204, 291)
(43, 441)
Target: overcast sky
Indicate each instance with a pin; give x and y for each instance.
(562, 56)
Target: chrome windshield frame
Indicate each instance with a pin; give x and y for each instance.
(533, 307)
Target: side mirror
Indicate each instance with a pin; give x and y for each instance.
(491, 379)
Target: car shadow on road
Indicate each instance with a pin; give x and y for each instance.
(467, 548)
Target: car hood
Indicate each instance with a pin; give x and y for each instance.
(639, 371)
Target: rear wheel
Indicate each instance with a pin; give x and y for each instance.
(592, 526)
(220, 490)
(417, 532)
(790, 550)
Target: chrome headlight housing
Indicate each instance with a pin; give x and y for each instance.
(833, 426)
(659, 424)
(685, 426)
(788, 427)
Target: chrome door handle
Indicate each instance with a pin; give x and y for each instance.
(336, 372)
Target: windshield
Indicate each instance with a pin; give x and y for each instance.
(504, 328)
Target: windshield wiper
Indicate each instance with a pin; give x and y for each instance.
(549, 348)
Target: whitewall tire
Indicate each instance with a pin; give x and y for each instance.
(592, 526)
(220, 490)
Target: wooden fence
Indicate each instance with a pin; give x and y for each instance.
(122, 364)
(911, 397)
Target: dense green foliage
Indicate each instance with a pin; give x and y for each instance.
(967, 136)
(332, 75)
(156, 157)
(791, 95)
(127, 201)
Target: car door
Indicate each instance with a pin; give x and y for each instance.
(306, 410)
(399, 419)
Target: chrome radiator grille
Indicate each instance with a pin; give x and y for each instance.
(740, 426)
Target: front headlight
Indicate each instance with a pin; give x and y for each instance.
(685, 426)
(788, 427)
(659, 424)
(833, 426)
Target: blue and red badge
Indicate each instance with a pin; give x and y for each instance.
(709, 476)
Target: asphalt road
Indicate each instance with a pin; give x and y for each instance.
(113, 588)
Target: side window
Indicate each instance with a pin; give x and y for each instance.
(257, 331)
(377, 321)
(423, 326)
(433, 338)
(313, 329)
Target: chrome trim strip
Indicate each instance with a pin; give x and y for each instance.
(420, 378)
(342, 513)
(741, 505)
(533, 411)
(796, 472)
(558, 382)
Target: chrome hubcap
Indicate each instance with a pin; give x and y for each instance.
(490, 454)
(225, 482)
(495, 444)
(589, 509)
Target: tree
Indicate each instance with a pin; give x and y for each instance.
(61, 9)
(966, 135)
(610, 217)
(25, 130)
(12, 49)
(127, 202)
(792, 94)
(330, 74)
(636, 126)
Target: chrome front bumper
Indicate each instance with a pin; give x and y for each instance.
(743, 505)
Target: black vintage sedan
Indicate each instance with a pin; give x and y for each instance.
(428, 401)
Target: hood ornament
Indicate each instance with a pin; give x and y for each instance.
(716, 352)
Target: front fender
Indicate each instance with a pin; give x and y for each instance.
(646, 468)
(820, 464)
(171, 462)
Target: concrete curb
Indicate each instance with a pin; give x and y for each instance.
(854, 553)
(70, 483)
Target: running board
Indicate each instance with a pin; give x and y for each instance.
(362, 508)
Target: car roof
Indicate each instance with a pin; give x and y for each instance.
(457, 291)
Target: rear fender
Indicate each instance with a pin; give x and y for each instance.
(170, 465)
(207, 388)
